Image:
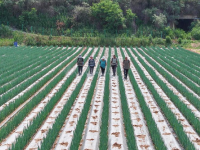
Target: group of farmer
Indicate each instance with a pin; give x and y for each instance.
(102, 63)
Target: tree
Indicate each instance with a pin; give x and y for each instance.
(159, 20)
(28, 17)
(81, 14)
(108, 14)
(130, 19)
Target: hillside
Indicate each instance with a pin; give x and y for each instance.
(75, 14)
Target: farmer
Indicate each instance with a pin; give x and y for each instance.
(103, 65)
(126, 66)
(91, 64)
(80, 63)
(114, 64)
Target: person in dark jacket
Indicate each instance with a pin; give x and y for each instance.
(114, 63)
(103, 65)
(126, 66)
(80, 63)
(91, 64)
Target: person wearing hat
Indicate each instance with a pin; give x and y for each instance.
(114, 64)
(126, 66)
(80, 63)
(103, 65)
(91, 64)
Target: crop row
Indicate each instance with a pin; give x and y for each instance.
(158, 106)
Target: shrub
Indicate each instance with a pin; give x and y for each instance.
(150, 39)
(180, 34)
(158, 41)
(50, 37)
(30, 40)
(196, 33)
(169, 32)
(5, 32)
(18, 37)
(168, 40)
(179, 40)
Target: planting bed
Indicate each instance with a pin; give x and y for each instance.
(45, 104)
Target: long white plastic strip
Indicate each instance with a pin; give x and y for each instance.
(117, 139)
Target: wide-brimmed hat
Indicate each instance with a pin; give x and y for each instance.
(103, 57)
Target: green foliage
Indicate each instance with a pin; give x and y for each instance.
(179, 33)
(150, 39)
(169, 32)
(108, 14)
(168, 40)
(196, 32)
(6, 42)
(179, 40)
(28, 17)
(158, 41)
(159, 20)
(81, 15)
(130, 16)
(149, 12)
(5, 32)
(18, 37)
(30, 40)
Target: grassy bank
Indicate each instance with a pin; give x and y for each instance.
(6, 42)
(39, 40)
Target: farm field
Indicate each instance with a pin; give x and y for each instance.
(46, 105)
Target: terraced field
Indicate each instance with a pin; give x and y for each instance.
(45, 105)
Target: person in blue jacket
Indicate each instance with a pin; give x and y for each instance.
(91, 64)
(103, 65)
